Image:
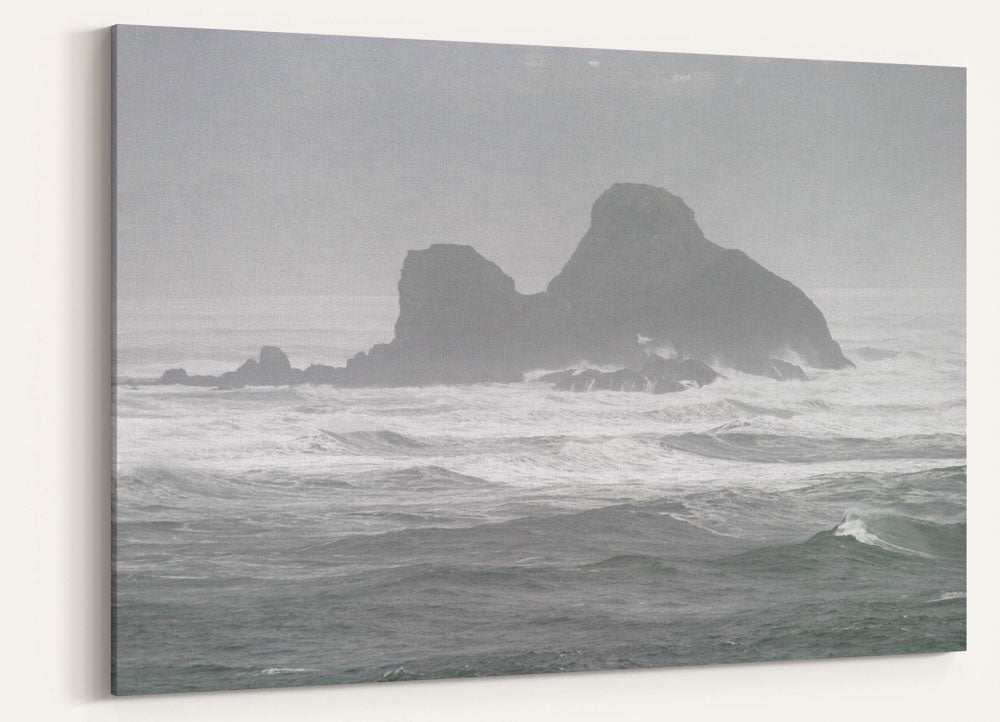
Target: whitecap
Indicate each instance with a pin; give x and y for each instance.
(854, 526)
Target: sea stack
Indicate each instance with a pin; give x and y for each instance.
(643, 269)
(643, 277)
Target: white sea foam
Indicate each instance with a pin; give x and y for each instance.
(253, 451)
(855, 527)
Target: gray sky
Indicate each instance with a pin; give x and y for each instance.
(265, 163)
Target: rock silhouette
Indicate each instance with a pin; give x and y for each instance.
(272, 368)
(643, 272)
(658, 375)
(644, 267)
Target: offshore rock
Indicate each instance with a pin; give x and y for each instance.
(779, 370)
(272, 369)
(644, 267)
(658, 375)
(461, 320)
(643, 272)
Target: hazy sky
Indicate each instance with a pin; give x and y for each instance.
(264, 163)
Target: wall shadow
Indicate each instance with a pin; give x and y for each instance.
(88, 141)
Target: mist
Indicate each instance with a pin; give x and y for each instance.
(273, 164)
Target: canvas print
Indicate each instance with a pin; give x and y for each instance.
(442, 359)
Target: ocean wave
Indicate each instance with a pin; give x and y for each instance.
(420, 477)
(775, 448)
(853, 526)
(877, 541)
(368, 440)
(421, 577)
(393, 443)
(641, 563)
(936, 494)
(756, 410)
(906, 535)
(547, 538)
(725, 408)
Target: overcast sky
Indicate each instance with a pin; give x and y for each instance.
(265, 163)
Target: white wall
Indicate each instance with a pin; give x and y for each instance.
(53, 281)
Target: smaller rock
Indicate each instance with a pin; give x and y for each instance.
(274, 359)
(557, 377)
(690, 370)
(668, 386)
(578, 380)
(180, 377)
(173, 376)
(274, 368)
(657, 374)
(779, 370)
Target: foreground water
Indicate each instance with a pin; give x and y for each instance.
(312, 535)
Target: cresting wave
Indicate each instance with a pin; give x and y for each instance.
(905, 535)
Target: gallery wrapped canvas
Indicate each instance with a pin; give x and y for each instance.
(440, 359)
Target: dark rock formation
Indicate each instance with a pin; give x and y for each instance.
(461, 320)
(689, 370)
(658, 375)
(272, 369)
(180, 376)
(173, 376)
(643, 269)
(778, 369)
(321, 374)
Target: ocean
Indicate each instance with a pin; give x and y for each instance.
(307, 535)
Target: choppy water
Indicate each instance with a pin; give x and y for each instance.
(312, 535)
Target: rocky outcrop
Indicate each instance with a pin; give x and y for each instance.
(644, 267)
(181, 377)
(778, 370)
(657, 375)
(272, 368)
(461, 320)
(173, 376)
(643, 272)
